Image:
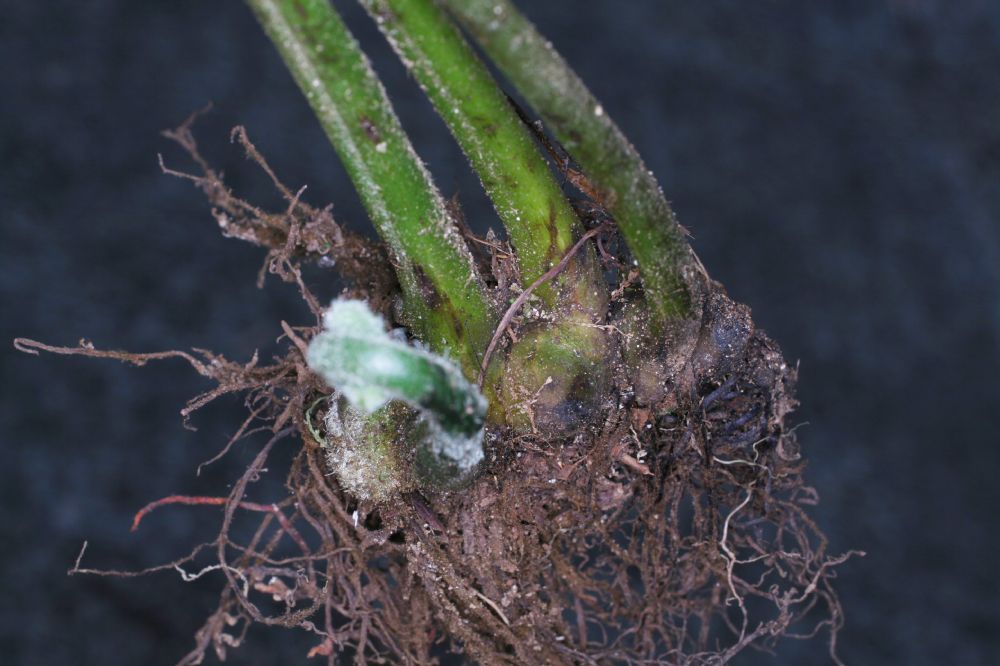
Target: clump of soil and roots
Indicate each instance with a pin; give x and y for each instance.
(675, 532)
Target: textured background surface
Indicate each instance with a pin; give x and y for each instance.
(838, 163)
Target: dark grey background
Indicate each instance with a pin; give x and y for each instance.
(838, 163)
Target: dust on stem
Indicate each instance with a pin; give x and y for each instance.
(443, 296)
(539, 220)
(670, 271)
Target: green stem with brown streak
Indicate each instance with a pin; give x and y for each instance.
(444, 298)
(666, 263)
(515, 175)
(559, 358)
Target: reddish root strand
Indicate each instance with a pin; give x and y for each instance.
(198, 500)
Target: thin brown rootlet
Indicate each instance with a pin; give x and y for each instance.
(674, 532)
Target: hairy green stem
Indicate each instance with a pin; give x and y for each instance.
(444, 301)
(556, 366)
(513, 172)
(355, 355)
(376, 446)
(578, 120)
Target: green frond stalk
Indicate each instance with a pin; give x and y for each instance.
(444, 301)
(558, 363)
(501, 150)
(666, 262)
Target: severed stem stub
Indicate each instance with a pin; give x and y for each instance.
(374, 372)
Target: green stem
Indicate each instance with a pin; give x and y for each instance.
(513, 172)
(444, 301)
(632, 194)
(557, 365)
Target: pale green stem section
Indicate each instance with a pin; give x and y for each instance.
(577, 119)
(376, 446)
(513, 172)
(443, 296)
(356, 356)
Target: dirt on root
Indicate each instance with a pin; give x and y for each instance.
(674, 530)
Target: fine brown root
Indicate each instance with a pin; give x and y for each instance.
(300, 232)
(675, 531)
